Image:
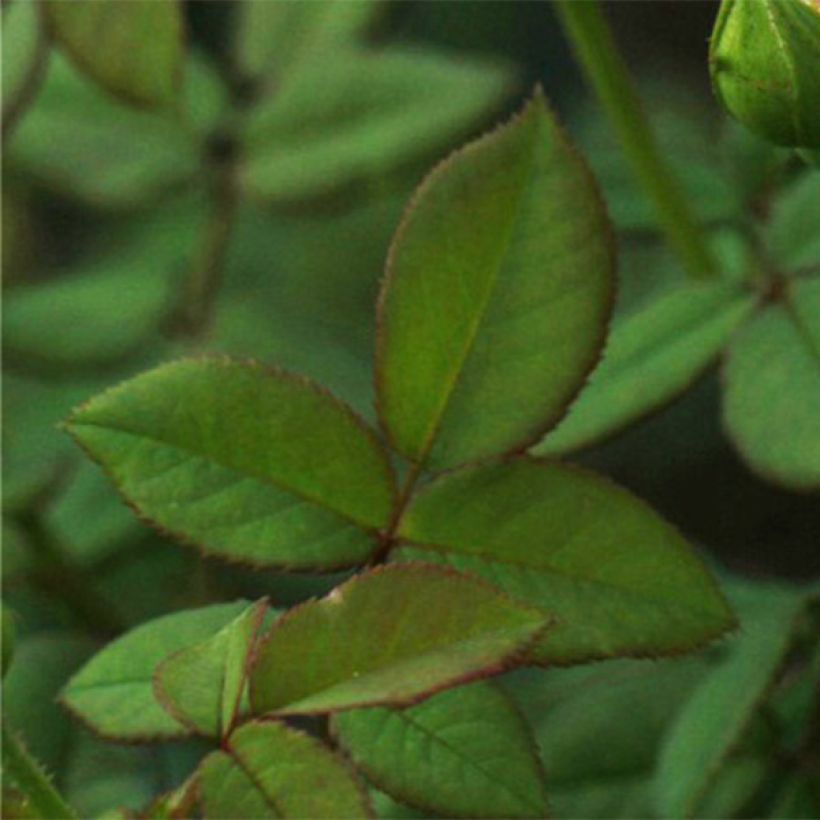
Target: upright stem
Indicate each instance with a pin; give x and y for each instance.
(202, 286)
(31, 780)
(607, 72)
(388, 537)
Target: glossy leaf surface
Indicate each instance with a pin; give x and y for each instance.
(271, 770)
(651, 356)
(133, 49)
(463, 753)
(389, 636)
(772, 388)
(620, 580)
(203, 685)
(113, 692)
(252, 464)
(352, 115)
(496, 298)
(709, 727)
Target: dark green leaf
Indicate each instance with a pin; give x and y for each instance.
(724, 704)
(133, 49)
(497, 295)
(42, 665)
(392, 635)
(599, 728)
(351, 116)
(203, 685)
(270, 770)
(794, 230)
(772, 388)
(463, 753)
(619, 579)
(253, 464)
(113, 692)
(274, 39)
(651, 356)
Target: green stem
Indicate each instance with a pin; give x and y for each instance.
(607, 72)
(204, 280)
(21, 768)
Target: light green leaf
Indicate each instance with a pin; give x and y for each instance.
(392, 635)
(599, 727)
(724, 704)
(202, 686)
(254, 465)
(463, 753)
(352, 115)
(133, 49)
(497, 295)
(89, 147)
(74, 320)
(274, 38)
(271, 770)
(24, 54)
(620, 580)
(113, 692)
(793, 232)
(651, 356)
(771, 400)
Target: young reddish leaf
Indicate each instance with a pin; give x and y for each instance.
(771, 402)
(497, 296)
(270, 770)
(393, 635)
(133, 49)
(113, 692)
(620, 580)
(463, 753)
(255, 465)
(202, 686)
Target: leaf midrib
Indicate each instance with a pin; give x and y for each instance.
(450, 388)
(265, 480)
(492, 559)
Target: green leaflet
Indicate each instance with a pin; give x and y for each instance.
(463, 753)
(619, 579)
(113, 692)
(252, 464)
(599, 727)
(392, 635)
(42, 664)
(354, 115)
(771, 399)
(724, 704)
(203, 685)
(498, 290)
(110, 154)
(651, 356)
(85, 326)
(270, 770)
(793, 233)
(24, 45)
(273, 39)
(134, 49)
